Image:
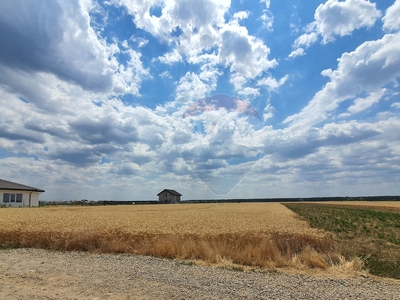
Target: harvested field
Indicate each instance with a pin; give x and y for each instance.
(250, 234)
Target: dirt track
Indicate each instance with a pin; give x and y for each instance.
(41, 274)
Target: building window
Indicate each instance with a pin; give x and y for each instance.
(12, 198)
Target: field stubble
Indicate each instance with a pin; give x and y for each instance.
(234, 235)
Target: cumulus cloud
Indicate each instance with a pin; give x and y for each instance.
(310, 142)
(247, 56)
(128, 78)
(200, 16)
(57, 38)
(334, 18)
(297, 52)
(367, 69)
(51, 37)
(199, 34)
(268, 20)
(391, 18)
(268, 112)
(190, 88)
(241, 15)
(361, 104)
(77, 112)
(221, 129)
(171, 57)
(126, 169)
(141, 42)
(81, 133)
(267, 17)
(306, 40)
(271, 83)
(266, 2)
(247, 92)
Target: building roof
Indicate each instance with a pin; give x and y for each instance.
(173, 192)
(9, 185)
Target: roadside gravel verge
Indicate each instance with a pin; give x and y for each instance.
(42, 274)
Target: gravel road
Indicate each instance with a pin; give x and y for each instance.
(41, 274)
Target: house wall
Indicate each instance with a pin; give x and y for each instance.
(168, 197)
(25, 198)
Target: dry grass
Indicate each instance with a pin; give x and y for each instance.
(251, 234)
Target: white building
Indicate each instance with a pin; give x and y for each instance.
(18, 195)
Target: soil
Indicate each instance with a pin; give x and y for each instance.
(42, 274)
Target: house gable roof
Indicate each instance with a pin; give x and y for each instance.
(173, 192)
(9, 185)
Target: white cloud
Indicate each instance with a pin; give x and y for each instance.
(366, 70)
(306, 40)
(203, 27)
(297, 52)
(224, 134)
(342, 18)
(391, 18)
(141, 42)
(361, 104)
(395, 105)
(249, 92)
(269, 111)
(241, 15)
(246, 55)
(85, 137)
(191, 88)
(334, 18)
(166, 74)
(271, 83)
(268, 20)
(267, 17)
(128, 78)
(58, 39)
(201, 15)
(60, 123)
(209, 74)
(171, 57)
(266, 2)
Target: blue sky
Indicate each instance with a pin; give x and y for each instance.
(120, 99)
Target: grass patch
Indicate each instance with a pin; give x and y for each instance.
(5, 247)
(370, 233)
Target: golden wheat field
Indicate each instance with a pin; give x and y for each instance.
(251, 234)
(202, 219)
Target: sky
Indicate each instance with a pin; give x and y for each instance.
(119, 99)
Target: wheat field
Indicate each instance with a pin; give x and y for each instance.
(246, 234)
(184, 218)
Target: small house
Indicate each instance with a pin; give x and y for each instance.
(18, 195)
(169, 196)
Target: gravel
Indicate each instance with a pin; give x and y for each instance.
(41, 274)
